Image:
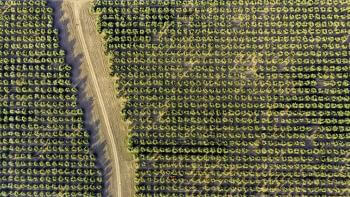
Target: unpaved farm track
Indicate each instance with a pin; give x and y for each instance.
(95, 66)
(99, 97)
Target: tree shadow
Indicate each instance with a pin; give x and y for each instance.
(79, 81)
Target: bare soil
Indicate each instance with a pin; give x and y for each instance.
(85, 48)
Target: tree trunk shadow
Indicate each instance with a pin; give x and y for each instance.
(79, 81)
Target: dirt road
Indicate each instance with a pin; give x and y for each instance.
(100, 86)
(76, 9)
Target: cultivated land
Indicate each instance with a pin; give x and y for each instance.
(226, 98)
(45, 148)
(87, 45)
(229, 98)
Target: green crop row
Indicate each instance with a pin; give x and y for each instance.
(254, 82)
(44, 145)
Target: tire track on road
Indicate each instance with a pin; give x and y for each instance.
(99, 97)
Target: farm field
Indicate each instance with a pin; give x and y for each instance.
(233, 98)
(154, 98)
(45, 147)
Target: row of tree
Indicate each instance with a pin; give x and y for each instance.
(45, 148)
(256, 85)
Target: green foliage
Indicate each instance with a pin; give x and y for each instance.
(233, 97)
(44, 148)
